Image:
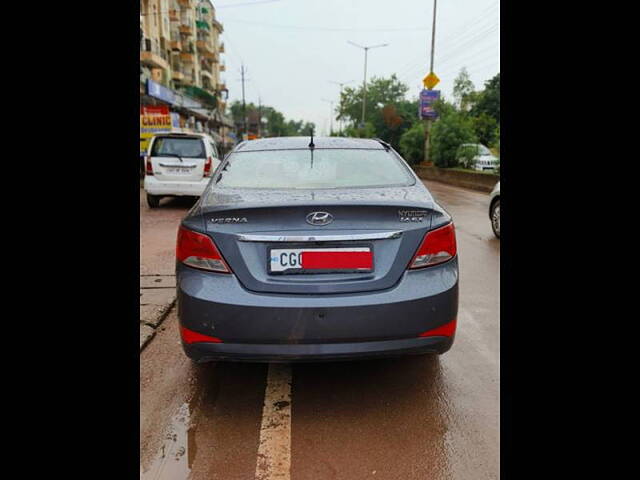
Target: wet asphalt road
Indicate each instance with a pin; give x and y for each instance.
(424, 417)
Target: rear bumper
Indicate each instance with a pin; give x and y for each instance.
(154, 186)
(276, 327)
(205, 352)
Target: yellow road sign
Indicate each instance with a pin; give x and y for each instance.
(430, 81)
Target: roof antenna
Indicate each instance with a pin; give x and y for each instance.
(311, 144)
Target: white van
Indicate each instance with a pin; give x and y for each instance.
(483, 158)
(179, 164)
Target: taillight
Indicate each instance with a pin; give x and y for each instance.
(198, 251)
(207, 167)
(189, 336)
(446, 330)
(438, 246)
(149, 167)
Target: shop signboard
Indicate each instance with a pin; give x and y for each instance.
(153, 119)
(427, 99)
(160, 92)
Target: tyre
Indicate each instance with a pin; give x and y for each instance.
(153, 200)
(495, 218)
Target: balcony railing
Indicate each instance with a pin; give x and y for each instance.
(187, 57)
(185, 29)
(204, 47)
(152, 56)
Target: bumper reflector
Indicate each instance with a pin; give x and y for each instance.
(189, 336)
(446, 330)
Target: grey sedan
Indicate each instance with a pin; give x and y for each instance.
(315, 249)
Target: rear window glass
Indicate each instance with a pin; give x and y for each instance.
(184, 147)
(320, 168)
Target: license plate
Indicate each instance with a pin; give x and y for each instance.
(177, 171)
(320, 260)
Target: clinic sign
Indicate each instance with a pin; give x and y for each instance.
(153, 119)
(427, 100)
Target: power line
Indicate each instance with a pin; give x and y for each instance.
(249, 4)
(452, 54)
(449, 46)
(327, 29)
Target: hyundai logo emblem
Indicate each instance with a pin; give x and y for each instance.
(319, 218)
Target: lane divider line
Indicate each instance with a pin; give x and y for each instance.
(274, 449)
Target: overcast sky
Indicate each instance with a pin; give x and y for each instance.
(292, 49)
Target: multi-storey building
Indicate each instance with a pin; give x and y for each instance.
(180, 50)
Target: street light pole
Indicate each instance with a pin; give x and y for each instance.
(364, 83)
(427, 136)
(244, 105)
(330, 102)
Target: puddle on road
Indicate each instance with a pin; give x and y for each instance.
(178, 451)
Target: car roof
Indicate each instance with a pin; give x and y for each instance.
(179, 134)
(290, 143)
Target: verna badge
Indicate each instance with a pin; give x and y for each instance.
(319, 219)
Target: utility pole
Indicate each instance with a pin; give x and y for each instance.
(427, 136)
(342, 84)
(364, 91)
(330, 102)
(259, 116)
(244, 105)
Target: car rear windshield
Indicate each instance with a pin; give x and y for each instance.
(183, 147)
(318, 168)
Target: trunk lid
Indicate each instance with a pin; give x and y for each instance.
(245, 225)
(178, 159)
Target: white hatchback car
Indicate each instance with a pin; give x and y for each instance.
(179, 164)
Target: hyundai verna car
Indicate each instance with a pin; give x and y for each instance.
(315, 249)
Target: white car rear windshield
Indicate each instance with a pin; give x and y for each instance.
(320, 168)
(183, 147)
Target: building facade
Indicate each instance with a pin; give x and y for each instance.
(181, 65)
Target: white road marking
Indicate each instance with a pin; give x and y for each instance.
(274, 450)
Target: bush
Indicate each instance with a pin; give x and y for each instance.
(466, 156)
(368, 131)
(412, 144)
(447, 134)
(496, 146)
(484, 127)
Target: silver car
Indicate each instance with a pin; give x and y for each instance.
(494, 209)
(315, 249)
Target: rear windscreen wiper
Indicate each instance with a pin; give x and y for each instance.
(171, 155)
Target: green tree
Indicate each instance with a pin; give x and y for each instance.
(412, 144)
(488, 101)
(356, 131)
(380, 92)
(275, 124)
(389, 113)
(451, 130)
(463, 90)
(484, 127)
